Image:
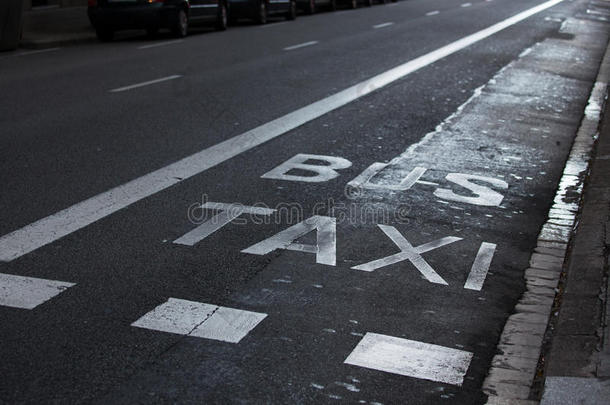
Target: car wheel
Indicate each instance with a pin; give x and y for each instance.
(369, 3)
(353, 4)
(292, 10)
(332, 5)
(104, 34)
(261, 15)
(311, 7)
(181, 24)
(222, 19)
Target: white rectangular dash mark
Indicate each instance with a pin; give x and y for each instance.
(201, 320)
(382, 25)
(28, 292)
(304, 44)
(177, 41)
(411, 358)
(466, 5)
(435, 12)
(135, 86)
(480, 267)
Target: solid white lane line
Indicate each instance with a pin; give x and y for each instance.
(466, 5)
(38, 51)
(28, 292)
(71, 219)
(202, 320)
(177, 41)
(435, 12)
(310, 43)
(411, 358)
(135, 86)
(382, 25)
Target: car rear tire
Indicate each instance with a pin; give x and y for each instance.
(332, 5)
(181, 24)
(292, 10)
(222, 20)
(311, 7)
(104, 34)
(369, 3)
(261, 14)
(353, 4)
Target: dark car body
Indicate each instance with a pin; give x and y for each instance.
(259, 10)
(311, 6)
(108, 16)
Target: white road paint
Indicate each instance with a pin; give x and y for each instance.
(325, 248)
(164, 43)
(483, 195)
(466, 5)
(435, 12)
(148, 83)
(411, 358)
(82, 214)
(228, 212)
(28, 292)
(480, 267)
(274, 24)
(410, 253)
(363, 180)
(202, 320)
(293, 47)
(322, 172)
(37, 51)
(383, 25)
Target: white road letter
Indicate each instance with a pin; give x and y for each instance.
(480, 267)
(323, 172)
(364, 179)
(408, 252)
(228, 212)
(483, 195)
(325, 249)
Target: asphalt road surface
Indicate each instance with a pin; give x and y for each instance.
(338, 208)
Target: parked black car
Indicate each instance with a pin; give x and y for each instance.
(108, 16)
(311, 6)
(260, 10)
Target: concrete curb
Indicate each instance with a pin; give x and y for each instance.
(512, 373)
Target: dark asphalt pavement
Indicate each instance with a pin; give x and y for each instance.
(65, 137)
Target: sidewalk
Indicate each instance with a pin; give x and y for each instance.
(50, 27)
(577, 365)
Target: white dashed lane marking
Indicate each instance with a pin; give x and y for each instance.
(435, 12)
(303, 45)
(411, 358)
(177, 41)
(202, 320)
(28, 292)
(38, 51)
(148, 83)
(466, 5)
(383, 25)
(80, 215)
